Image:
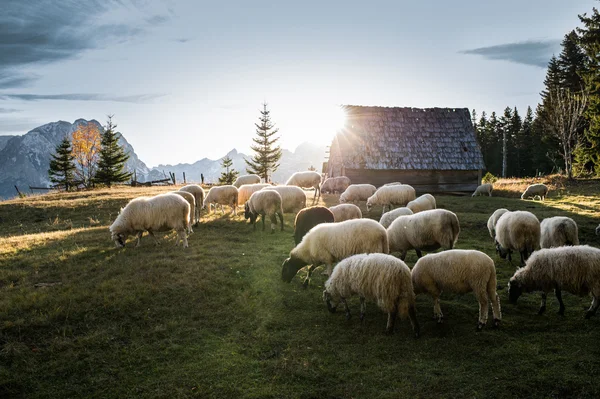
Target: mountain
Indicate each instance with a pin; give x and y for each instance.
(306, 155)
(24, 160)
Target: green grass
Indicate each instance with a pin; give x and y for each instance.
(215, 320)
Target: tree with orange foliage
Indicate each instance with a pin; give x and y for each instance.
(86, 148)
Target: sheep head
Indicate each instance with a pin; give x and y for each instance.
(515, 289)
(501, 251)
(119, 239)
(248, 214)
(290, 267)
(327, 300)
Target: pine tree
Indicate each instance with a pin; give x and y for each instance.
(112, 157)
(505, 125)
(267, 156)
(62, 166)
(572, 63)
(229, 176)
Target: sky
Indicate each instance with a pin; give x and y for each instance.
(185, 79)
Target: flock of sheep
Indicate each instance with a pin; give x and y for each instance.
(361, 247)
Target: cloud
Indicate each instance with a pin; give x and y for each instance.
(183, 39)
(535, 53)
(10, 80)
(136, 98)
(18, 125)
(9, 110)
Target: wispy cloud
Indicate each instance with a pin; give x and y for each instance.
(9, 110)
(183, 39)
(18, 125)
(535, 53)
(136, 98)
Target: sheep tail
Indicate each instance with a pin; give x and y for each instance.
(493, 296)
(403, 308)
(455, 230)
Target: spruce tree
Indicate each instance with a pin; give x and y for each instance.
(267, 156)
(62, 165)
(112, 157)
(229, 176)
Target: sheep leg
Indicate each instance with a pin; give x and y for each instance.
(273, 222)
(281, 218)
(510, 256)
(419, 253)
(262, 218)
(403, 255)
(561, 309)
(543, 304)
(593, 308)
(389, 329)
(139, 238)
(484, 305)
(307, 279)
(348, 315)
(523, 257)
(437, 310)
(363, 308)
(412, 315)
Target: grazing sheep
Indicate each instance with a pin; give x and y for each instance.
(264, 203)
(198, 194)
(308, 218)
(328, 243)
(345, 212)
(388, 217)
(423, 203)
(189, 197)
(335, 184)
(395, 183)
(486, 188)
(427, 230)
(293, 198)
(222, 195)
(246, 190)
(246, 179)
(390, 196)
(357, 192)
(459, 271)
(491, 224)
(162, 212)
(305, 180)
(558, 231)
(534, 190)
(575, 269)
(378, 277)
(517, 231)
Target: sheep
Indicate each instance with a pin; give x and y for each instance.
(357, 192)
(400, 194)
(558, 231)
(293, 198)
(264, 203)
(328, 243)
(424, 203)
(246, 179)
(345, 212)
(189, 197)
(392, 215)
(598, 230)
(222, 195)
(535, 190)
(459, 271)
(198, 194)
(379, 277)
(427, 230)
(246, 190)
(491, 223)
(162, 212)
(575, 269)
(486, 188)
(394, 183)
(517, 231)
(335, 184)
(305, 180)
(308, 218)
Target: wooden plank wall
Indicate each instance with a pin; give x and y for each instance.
(424, 181)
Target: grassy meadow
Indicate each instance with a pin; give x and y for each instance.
(81, 318)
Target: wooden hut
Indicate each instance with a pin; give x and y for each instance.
(432, 149)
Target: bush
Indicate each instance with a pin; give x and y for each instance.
(489, 178)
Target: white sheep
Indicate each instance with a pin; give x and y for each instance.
(222, 195)
(558, 231)
(246, 179)
(388, 217)
(264, 203)
(427, 230)
(246, 190)
(378, 277)
(394, 183)
(293, 198)
(357, 192)
(306, 179)
(390, 196)
(483, 189)
(517, 231)
(459, 271)
(189, 197)
(198, 194)
(575, 269)
(345, 212)
(335, 184)
(423, 203)
(162, 212)
(535, 190)
(327, 243)
(491, 223)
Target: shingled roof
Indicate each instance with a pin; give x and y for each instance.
(407, 138)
